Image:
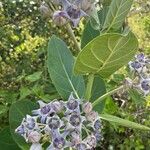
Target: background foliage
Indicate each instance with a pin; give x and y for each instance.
(24, 35)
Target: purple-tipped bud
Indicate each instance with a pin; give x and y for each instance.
(57, 106)
(59, 142)
(87, 107)
(59, 18)
(34, 137)
(91, 141)
(92, 116)
(44, 10)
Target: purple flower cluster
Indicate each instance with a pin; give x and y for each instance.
(140, 69)
(63, 124)
(72, 11)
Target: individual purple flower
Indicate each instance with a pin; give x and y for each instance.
(140, 57)
(21, 130)
(145, 86)
(44, 111)
(54, 123)
(97, 124)
(72, 11)
(58, 140)
(136, 66)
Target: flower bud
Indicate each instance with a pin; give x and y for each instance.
(36, 146)
(44, 10)
(91, 141)
(92, 116)
(34, 137)
(86, 5)
(56, 2)
(59, 18)
(87, 107)
(57, 106)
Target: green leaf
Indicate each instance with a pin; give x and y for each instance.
(89, 32)
(117, 14)
(60, 66)
(98, 90)
(123, 122)
(94, 19)
(24, 92)
(17, 112)
(6, 140)
(34, 77)
(106, 54)
(110, 106)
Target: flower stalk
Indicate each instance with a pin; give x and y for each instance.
(71, 33)
(107, 94)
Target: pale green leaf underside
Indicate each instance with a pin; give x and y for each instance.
(60, 66)
(117, 13)
(106, 54)
(123, 122)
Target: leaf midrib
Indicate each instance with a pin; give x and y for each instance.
(116, 16)
(72, 86)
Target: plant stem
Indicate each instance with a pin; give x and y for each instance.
(89, 86)
(70, 31)
(106, 95)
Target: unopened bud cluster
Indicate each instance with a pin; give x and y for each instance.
(71, 124)
(140, 69)
(69, 10)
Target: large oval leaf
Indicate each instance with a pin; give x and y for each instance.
(117, 13)
(60, 66)
(17, 112)
(6, 141)
(123, 122)
(106, 54)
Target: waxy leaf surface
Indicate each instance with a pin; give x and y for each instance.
(60, 66)
(106, 54)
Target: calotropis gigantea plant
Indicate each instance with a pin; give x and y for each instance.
(106, 46)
